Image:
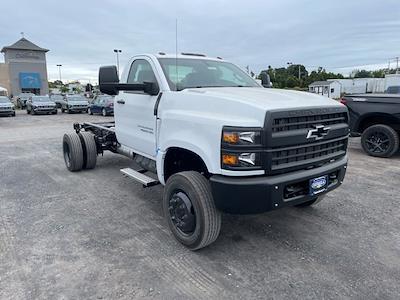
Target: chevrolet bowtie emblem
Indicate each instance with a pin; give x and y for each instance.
(318, 133)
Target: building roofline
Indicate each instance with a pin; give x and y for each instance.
(24, 44)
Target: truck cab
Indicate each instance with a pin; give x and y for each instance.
(219, 141)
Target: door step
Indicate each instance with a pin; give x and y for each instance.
(139, 177)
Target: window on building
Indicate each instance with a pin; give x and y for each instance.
(332, 90)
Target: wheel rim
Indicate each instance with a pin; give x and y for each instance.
(377, 142)
(182, 212)
(67, 155)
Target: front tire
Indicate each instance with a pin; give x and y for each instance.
(190, 210)
(73, 152)
(380, 141)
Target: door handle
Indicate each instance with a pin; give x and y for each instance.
(121, 101)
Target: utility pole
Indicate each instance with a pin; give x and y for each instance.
(117, 51)
(59, 71)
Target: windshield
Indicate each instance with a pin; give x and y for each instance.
(196, 73)
(4, 100)
(76, 98)
(57, 97)
(40, 99)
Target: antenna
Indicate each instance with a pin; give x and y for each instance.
(176, 53)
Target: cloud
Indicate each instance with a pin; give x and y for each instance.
(81, 35)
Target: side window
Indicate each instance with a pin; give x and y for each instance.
(140, 72)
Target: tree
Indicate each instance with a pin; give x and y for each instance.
(64, 89)
(362, 74)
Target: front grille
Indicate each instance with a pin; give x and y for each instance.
(288, 146)
(4, 108)
(306, 122)
(317, 153)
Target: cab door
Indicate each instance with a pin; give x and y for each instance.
(134, 111)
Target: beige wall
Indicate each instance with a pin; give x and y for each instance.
(5, 77)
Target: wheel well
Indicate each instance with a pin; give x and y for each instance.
(379, 119)
(179, 159)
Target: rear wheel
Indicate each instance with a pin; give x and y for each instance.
(89, 150)
(380, 141)
(62, 110)
(73, 152)
(32, 111)
(190, 210)
(89, 111)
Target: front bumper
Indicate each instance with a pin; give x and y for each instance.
(40, 110)
(249, 195)
(7, 112)
(78, 109)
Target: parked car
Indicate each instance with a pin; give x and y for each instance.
(22, 98)
(41, 105)
(58, 99)
(376, 118)
(102, 104)
(74, 103)
(216, 139)
(394, 89)
(6, 107)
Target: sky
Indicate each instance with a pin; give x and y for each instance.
(81, 35)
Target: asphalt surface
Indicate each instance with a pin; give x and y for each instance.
(98, 235)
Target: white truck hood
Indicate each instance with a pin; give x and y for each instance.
(47, 103)
(8, 104)
(266, 99)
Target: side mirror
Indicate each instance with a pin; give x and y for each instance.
(108, 80)
(109, 83)
(265, 80)
(151, 88)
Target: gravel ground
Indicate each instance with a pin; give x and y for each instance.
(98, 235)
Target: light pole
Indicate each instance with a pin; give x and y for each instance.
(117, 51)
(290, 63)
(59, 71)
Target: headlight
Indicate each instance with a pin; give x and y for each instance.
(241, 148)
(235, 137)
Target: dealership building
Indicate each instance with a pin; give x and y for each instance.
(24, 68)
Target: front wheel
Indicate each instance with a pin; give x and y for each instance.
(190, 210)
(380, 141)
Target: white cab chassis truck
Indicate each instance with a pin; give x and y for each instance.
(216, 139)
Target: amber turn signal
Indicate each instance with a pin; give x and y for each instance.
(229, 159)
(230, 137)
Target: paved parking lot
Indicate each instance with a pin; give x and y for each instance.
(98, 235)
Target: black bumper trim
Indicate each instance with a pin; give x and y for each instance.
(249, 195)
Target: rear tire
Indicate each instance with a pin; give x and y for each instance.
(89, 111)
(380, 141)
(32, 112)
(90, 150)
(62, 110)
(73, 152)
(190, 210)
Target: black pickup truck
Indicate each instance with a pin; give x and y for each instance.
(376, 117)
